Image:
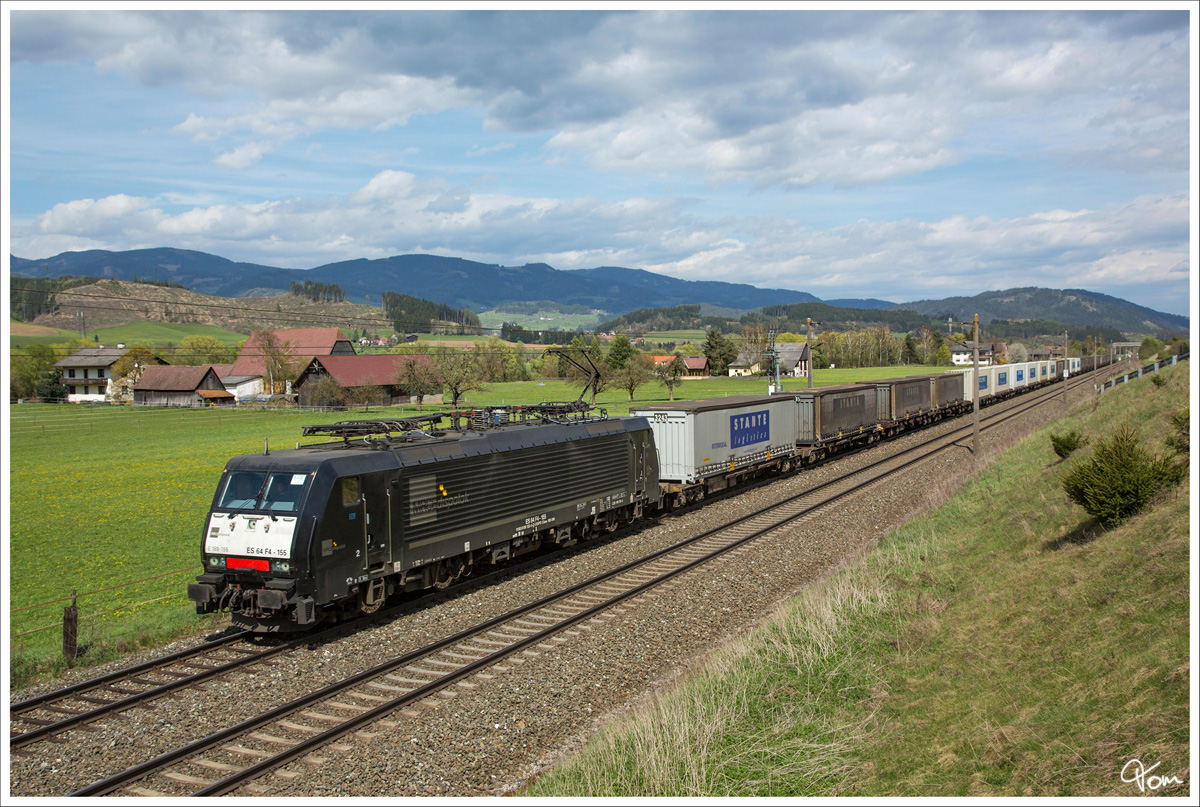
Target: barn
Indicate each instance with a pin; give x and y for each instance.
(170, 385)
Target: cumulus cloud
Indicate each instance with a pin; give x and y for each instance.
(243, 156)
(788, 98)
(1144, 241)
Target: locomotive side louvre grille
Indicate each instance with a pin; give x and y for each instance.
(513, 484)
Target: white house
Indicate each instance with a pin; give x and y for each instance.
(964, 355)
(87, 373)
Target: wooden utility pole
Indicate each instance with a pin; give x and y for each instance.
(812, 359)
(1065, 373)
(975, 353)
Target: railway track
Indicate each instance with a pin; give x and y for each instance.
(229, 759)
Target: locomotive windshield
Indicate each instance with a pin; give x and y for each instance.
(258, 490)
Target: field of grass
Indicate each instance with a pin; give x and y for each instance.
(111, 501)
(1001, 645)
(693, 335)
(153, 333)
(542, 320)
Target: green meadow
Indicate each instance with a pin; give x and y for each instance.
(111, 502)
(151, 333)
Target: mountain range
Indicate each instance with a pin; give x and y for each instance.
(480, 287)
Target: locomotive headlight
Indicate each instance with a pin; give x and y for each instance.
(280, 566)
(216, 562)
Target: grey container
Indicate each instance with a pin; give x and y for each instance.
(699, 439)
(947, 389)
(831, 413)
(901, 398)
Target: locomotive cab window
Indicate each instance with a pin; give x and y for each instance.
(241, 490)
(283, 492)
(350, 495)
(258, 490)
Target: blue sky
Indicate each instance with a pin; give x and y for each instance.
(894, 154)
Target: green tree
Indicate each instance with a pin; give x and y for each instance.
(198, 349)
(635, 373)
(135, 360)
(619, 351)
(720, 350)
(1120, 479)
(670, 373)
(943, 356)
(909, 353)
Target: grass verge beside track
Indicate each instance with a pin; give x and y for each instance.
(1003, 644)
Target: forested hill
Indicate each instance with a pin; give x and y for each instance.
(794, 318)
(1072, 306)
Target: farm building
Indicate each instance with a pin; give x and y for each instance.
(376, 376)
(180, 386)
(300, 345)
(87, 373)
(697, 366)
(794, 359)
(243, 387)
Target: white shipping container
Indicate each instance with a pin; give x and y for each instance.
(698, 439)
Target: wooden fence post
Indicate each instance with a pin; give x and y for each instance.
(70, 629)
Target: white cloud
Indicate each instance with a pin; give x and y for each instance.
(1143, 241)
(243, 156)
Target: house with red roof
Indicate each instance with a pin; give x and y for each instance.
(301, 345)
(379, 371)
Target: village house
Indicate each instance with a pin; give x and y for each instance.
(697, 366)
(87, 373)
(353, 373)
(300, 345)
(964, 355)
(180, 385)
(794, 359)
(243, 387)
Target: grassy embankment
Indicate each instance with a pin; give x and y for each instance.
(1002, 644)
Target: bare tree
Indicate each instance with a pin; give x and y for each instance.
(278, 364)
(419, 378)
(458, 371)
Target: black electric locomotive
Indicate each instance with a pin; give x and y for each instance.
(296, 537)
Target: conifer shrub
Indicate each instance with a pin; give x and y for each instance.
(1181, 441)
(1120, 479)
(1064, 444)
(1158, 380)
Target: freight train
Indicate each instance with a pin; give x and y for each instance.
(327, 531)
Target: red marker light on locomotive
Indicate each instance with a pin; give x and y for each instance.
(247, 563)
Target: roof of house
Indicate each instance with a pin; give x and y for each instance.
(172, 378)
(300, 343)
(792, 353)
(93, 357)
(696, 362)
(360, 371)
(969, 346)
